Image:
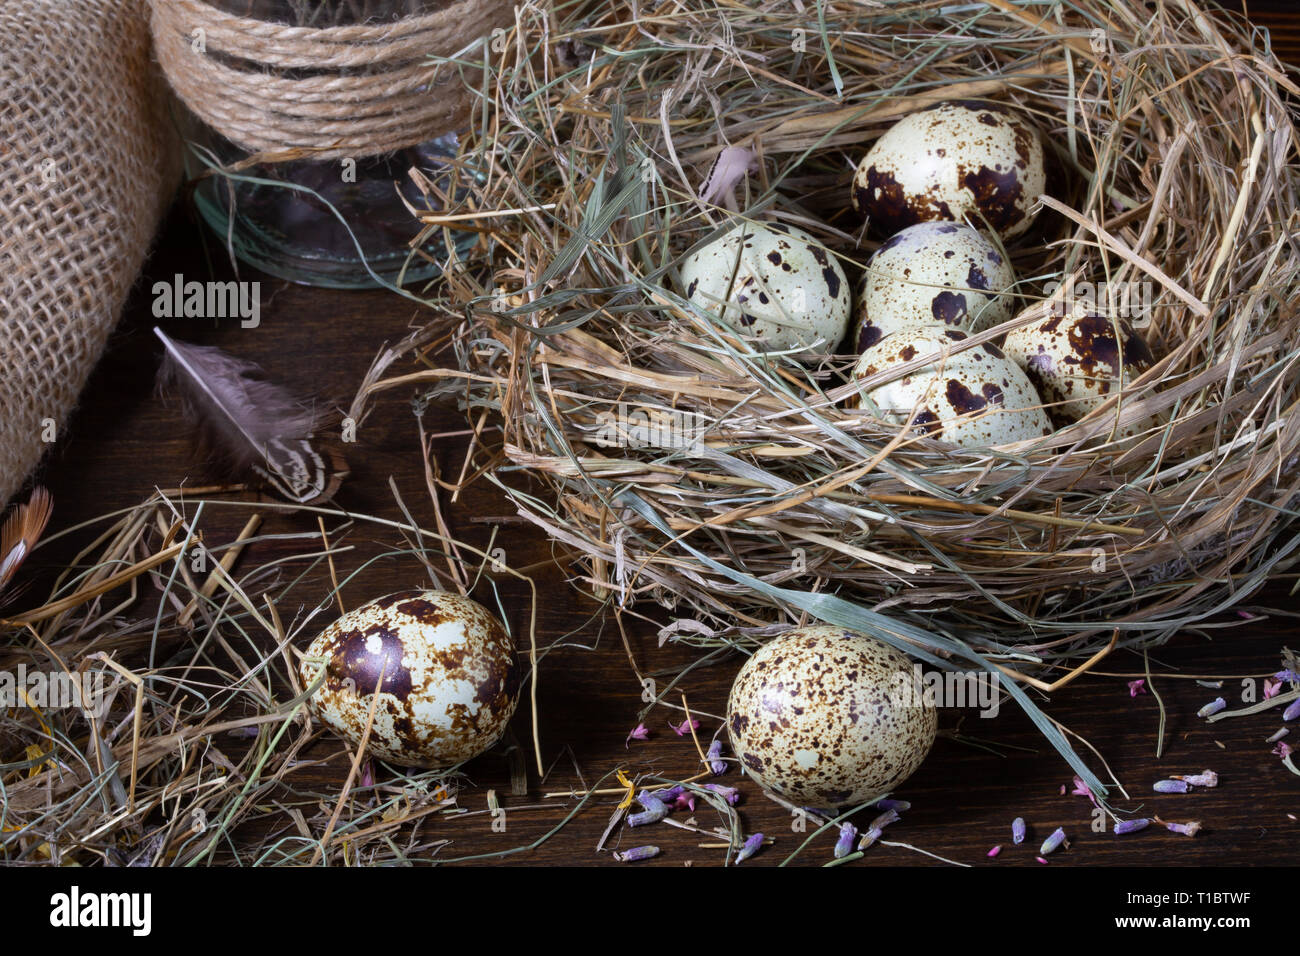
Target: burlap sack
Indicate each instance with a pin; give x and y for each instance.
(87, 166)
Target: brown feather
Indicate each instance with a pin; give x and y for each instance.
(21, 531)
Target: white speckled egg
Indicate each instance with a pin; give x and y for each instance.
(954, 161)
(933, 273)
(827, 717)
(449, 679)
(772, 282)
(1077, 358)
(974, 398)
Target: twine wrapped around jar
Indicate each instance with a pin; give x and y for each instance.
(336, 91)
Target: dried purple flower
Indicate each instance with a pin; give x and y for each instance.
(1292, 711)
(1212, 708)
(685, 727)
(1052, 842)
(1206, 778)
(1018, 830)
(1288, 675)
(995, 851)
(685, 801)
(637, 853)
(1131, 826)
(639, 732)
(1138, 686)
(1283, 749)
(1081, 790)
(844, 845)
(730, 794)
(1271, 688)
(902, 806)
(655, 810)
(884, 820)
(871, 836)
(672, 793)
(1041, 860)
(716, 764)
(1186, 829)
(1172, 786)
(749, 848)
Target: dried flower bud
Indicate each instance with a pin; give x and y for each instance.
(1131, 826)
(1052, 842)
(1172, 786)
(749, 848)
(716, 764)
(1018, 830)
(1206, 778)
(995, 851)
(730, 794)
(844, 845)
(637, 853)
(655, 810)
(1186, 829)
(1292, 711)
(1212, 708)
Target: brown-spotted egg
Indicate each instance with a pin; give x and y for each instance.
(955, 161)
(973, 398)
(933, 273)
(1078, 357)
(444, 668)
(772, 282)
(827, 717)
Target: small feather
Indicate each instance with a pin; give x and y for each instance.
(730, 166)
(248, 423)
(21, 531)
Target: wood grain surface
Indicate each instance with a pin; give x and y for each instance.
(123, 441)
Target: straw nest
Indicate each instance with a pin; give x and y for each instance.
(1170, 145)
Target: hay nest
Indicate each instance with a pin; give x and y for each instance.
(1170, 142)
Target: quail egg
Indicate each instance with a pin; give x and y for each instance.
(1077, 357)
(954, 161)
(933, 273)
(772, 282)
(445, 672)
(827, 717)
(974, 398)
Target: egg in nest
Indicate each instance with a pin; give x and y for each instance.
(827, 717)
(774, 283)
(974, 398)
(933, 273)
(445, 672)
(1077, 358)
(955, 161)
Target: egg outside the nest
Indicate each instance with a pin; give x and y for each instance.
(773, 283)
(826, 717)
(955, 161)
(973, 398)
(933, 273)
(1078, 358)
(445, 669)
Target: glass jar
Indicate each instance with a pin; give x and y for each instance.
(277, 216)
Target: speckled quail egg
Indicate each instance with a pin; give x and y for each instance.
(1077, 357)
(445, 670)
(974, 398)
(933, 273)
(954, 161)
(772, 282)
(827, 717)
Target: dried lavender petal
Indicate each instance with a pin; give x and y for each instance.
(844, 845)
(655, 810)
(1131, 826)
(1138, 686)
(685, 727)
(716, 764)
(1186, 829)
(730, 794)
(871, 836)
(995, 851)
(1212, 708)
(902, 806)
(637, 853)
(1172, 786)
(1282, 749)
(1271, 688)
(1041, 860)
(1052, 842)
(1292, 711)
(884, 820)
(1287, 675)
(749, 848)
(1018, 830)
(1206, 778)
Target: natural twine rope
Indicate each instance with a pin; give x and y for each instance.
(372, 89)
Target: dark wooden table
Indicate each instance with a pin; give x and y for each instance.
(123, 441)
